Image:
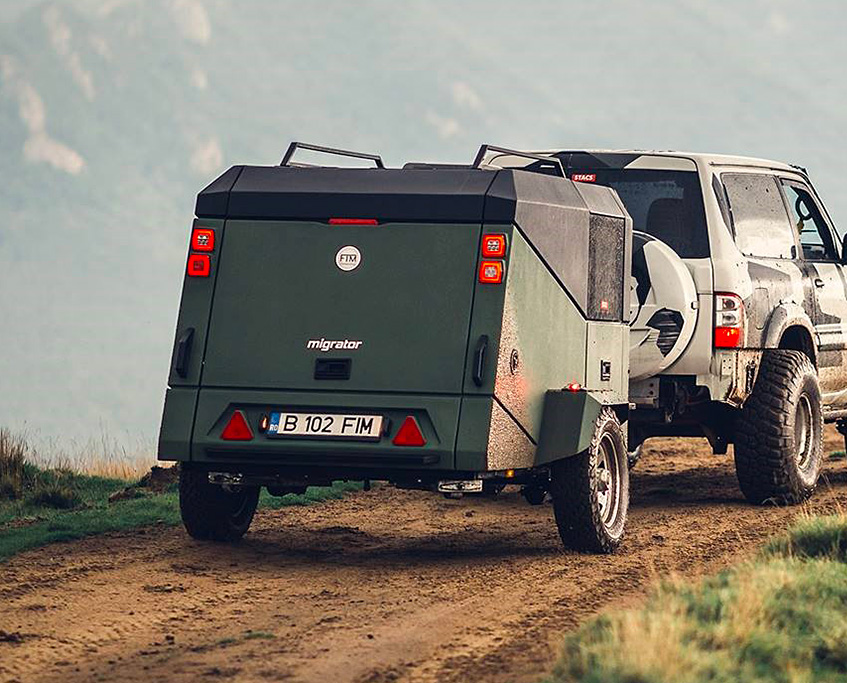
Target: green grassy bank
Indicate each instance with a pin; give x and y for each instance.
(780, 617)
(40, 506)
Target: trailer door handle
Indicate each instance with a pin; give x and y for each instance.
(479, 360)
(183, 352)
(819, 282)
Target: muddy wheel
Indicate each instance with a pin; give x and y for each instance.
(591, 490)
(211, 512)
(779, 439)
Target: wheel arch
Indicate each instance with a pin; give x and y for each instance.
(789, 328)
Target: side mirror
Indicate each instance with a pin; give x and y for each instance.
(844, 250)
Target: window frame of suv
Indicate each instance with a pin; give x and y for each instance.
(833, 234)
(797, 249)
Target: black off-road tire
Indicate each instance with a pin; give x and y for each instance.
(779, 435)
(211, 512)
(578, 484)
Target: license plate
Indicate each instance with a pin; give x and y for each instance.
(326, 425)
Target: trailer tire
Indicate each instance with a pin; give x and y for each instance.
(779, 436)
(591, 490)
(211, 512)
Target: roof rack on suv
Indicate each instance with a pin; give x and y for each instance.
(547, 163)
(294, 146)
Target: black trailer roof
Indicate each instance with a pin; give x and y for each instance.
(581, 232)
(458, 194)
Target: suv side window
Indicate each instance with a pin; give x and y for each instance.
(815, 236)
(761, 223)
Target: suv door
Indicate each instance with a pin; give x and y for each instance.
(765, 236)
(820, 252)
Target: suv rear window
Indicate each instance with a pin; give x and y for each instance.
(759, 218)
(665, 204)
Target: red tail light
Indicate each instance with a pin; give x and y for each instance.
(237, 428)
(491, 272)
(353, 221)
(493, 246)
(199, 265)
(409, 434)
(729, 321)
(727, 337)
(203, 239)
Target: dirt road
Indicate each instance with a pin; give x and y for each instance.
(381, 586)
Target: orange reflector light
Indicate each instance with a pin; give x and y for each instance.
(727, 337)
(409, 434)
(353, 221)
(199, 265)
(574, 386)
(509, 474)
(493, 246)
(237, 428)
(491, 272)
(203, 239)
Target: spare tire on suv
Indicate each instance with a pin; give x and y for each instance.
(663, 307)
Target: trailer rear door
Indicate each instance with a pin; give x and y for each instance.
(312, 306)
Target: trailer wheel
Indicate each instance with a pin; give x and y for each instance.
(211, 512)
(591, 490)
(779, 439)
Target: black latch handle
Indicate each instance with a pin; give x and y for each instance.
(479, 360)
(183, 352)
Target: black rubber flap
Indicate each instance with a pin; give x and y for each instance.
(283, 193)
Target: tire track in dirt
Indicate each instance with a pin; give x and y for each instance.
(381, 586)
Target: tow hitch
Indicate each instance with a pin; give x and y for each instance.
(460, 486)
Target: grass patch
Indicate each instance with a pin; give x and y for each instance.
(44, 525)
(781, 617)
(40, 506)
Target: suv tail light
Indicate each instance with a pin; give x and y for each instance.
(729, 321)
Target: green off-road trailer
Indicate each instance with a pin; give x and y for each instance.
(450, 328)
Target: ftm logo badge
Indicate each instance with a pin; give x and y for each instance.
(348, 258)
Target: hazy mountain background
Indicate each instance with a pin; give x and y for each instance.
(113, 113)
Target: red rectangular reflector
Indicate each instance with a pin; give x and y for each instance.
(493, 246)
(199, 265)
(353, 221)
(203, 239)
(491, 272)
(727, 337)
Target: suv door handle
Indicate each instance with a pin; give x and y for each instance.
(819, 282)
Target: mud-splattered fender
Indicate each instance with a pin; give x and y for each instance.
(784, 316)
(568, 422)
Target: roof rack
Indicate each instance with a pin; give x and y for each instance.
(294, 146)
(551, 162)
